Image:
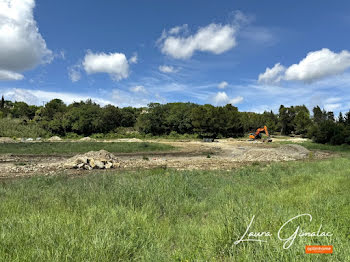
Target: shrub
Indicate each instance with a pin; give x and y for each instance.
(21, 128)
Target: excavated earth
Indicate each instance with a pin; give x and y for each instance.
(225, 154)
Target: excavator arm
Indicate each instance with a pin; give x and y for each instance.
(259, 131)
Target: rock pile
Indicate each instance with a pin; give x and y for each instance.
(93, 160)
(54, 138)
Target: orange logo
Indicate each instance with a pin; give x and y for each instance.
(319, 249)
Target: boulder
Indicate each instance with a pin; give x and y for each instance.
(109, 165)
(99, 164)
(93, 160)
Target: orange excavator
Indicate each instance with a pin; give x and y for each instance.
(257, 134)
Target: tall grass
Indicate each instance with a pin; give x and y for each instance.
(18, 128)
(45, 148)
(166, 215)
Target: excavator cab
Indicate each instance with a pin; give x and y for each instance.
(258, 134)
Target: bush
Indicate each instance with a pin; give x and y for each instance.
(72, 135)
(338, 139)
(21, 128)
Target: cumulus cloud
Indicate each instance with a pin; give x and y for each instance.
(221, 98)
(222, 85)
(214, 38)
(319, 64)
(315, 66)
(272, 75)
(114, 64)
(37, 97)
(9, 75)
(167, 69)
(21, 45)
(138, 89)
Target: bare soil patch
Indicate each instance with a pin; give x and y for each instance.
(225, 154)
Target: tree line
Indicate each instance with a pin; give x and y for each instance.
(88, 118)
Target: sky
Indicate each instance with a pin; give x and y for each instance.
(255, 55)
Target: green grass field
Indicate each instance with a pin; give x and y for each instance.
(345, 149)
(46, 148)
(167, 215)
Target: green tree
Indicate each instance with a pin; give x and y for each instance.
(152, 120)
(111, 117)
(301, 120)
(341, 118)
(2, 103)
(83, 118)
(318, 115)
(22, 110)
(347, 118)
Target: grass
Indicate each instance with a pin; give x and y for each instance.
(325, 147)
(45, 148)
(167, 215)
(18, 128)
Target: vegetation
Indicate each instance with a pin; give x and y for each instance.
(344, 149)
(172, 119)
(70, 148)
(166, 215)
(21, 128)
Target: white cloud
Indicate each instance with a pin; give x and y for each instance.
(214, 38)
(222, 85)
(167, 69)
(178, 29)
(114, 64)
(332, 100)
(332, 107)
(74, 73)
(315, 66)
(21, 45)
(133, 59)
(138, 89)
(123, 99)
(9, 75)
(319, 64)
(272, 75)
(37, 97)
(221, 98)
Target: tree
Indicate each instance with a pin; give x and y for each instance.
(340, 118)
(129, 116)
(330, 116)
(318, 115)
(111, 117)
(179, 117)
(347, 118)
(301, 120)
(152, 121)
(286, 118)
(22, 110)
(83, 118)
(53, 107)
(2, 103)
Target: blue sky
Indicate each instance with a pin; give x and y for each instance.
(255, 55)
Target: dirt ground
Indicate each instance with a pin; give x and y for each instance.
(223, 154)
